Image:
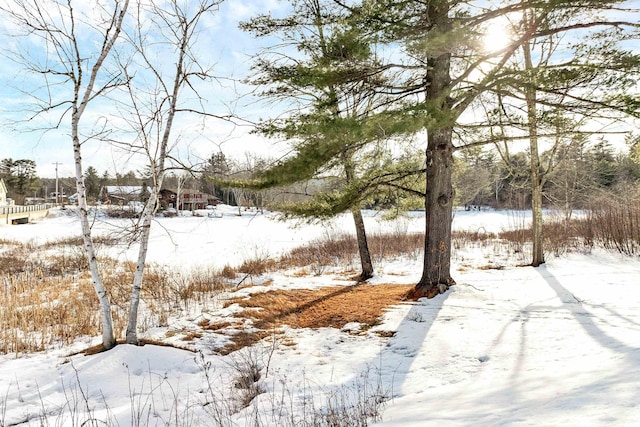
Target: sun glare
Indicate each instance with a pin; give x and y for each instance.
(497, 36)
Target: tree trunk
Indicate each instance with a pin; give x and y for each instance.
(536, 219)
(150, 209)
(536, 183)
(79, 105)
(536, 173)
(108, 338)
(363, 246)
(436, 276)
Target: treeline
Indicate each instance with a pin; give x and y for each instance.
(22, 181)
(582, 172)
(20, 178)
(578, 174)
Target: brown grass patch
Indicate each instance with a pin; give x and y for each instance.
(217, 326)
(490, 267)
(191, 335)
(315, 308)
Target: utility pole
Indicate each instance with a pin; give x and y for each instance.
(57, 191)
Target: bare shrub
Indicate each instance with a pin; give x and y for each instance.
(228, 272)
(246, 386)
(342, 250)
(105, 240)
(67, 260)
(13, 262)
(358, 404)
(257, 266)
(562, 236)
(197, 286)
(320, 253)
(614, 223)
(215, 405)
(464, 238)
(389, 246)
(121, 212)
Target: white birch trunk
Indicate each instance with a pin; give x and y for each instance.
(157, 151)
(108, 338)
(149, 211)
(79, 106)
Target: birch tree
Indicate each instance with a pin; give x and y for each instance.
(72, 69)
(92, 50)
(169, 70)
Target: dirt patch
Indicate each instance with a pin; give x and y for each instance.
(315, 308)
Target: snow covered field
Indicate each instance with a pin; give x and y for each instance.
(554, 345)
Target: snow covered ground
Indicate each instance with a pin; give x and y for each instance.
(554, 345)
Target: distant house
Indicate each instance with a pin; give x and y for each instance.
(34, 200)
(3, 192)
(57, 197)
(123, 194)
(188, 199)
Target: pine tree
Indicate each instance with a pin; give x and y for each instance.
(92, 183)
(334, 138)
(20, 176)
(441, 69)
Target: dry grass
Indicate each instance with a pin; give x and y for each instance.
(46, 297)
(341, 251)
(37, 312)
(257, 266)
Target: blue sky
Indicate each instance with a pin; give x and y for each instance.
(221, 43)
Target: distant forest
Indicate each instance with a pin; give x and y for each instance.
(485, 177)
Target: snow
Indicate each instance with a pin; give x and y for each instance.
(553, 345)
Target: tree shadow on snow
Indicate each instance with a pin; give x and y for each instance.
(613, 387)
(409, 340)
(584, 317)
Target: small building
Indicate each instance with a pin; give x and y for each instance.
(123, 194)
(28, 201)
(185, 199)
(59, 197)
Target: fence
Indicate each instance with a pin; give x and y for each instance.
(19, 214)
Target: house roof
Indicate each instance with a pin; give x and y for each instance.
(183, 190)
(189, 191)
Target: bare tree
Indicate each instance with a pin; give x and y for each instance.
(573, 180)
(73, 71)
(473, 176)
(553, 104)
(78, 74)
(174, 27)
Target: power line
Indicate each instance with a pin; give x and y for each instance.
(57, 191)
